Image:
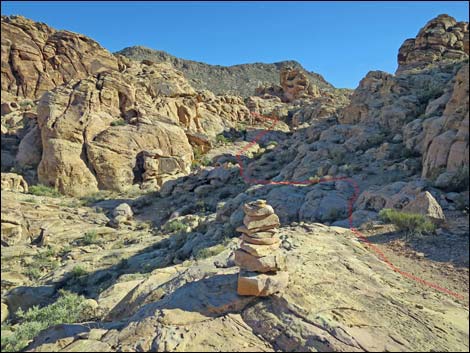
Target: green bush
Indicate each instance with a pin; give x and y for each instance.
(78, 271)
(209, 252)
(43, 190)
(90, 238)
(221, 139)
(118, 122)
(43, 261)
(411, 223)
(33, 273)
(69, 308)
(175, 226)
(429, 94)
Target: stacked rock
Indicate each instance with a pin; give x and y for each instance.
(263, 266)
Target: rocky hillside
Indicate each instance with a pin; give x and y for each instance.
(237, 79)
(126, 189)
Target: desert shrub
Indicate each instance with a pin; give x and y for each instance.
(43, 261)
(96, 197)
(411, 223)
(241, 126)
(429, 94)
(78, 271)
(33, 273)
(26, 103)
(221, 139)
(65, 250)
(199, 159)
(118, 122)
(69, 308)
(175, 226)
(374, 141)
(209, 252)
(90, 237)
(43, 190)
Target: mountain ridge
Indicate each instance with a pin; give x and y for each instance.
(240, 79)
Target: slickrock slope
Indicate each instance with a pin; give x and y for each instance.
(238, 79)
(340, 298)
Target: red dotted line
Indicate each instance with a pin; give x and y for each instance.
(351, 202)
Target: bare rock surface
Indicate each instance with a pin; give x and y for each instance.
(300, 318)
(36, 58)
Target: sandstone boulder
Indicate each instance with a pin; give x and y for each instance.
(272, 263)
(259, 250)
(37, 58)
(4, 312)
(442, 38)
(262, 285)
(261, 223)
(426, 204)
(14, 182)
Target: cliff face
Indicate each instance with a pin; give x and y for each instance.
(238, 79)
(37, 58)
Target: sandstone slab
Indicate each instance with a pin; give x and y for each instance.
(261, 223)
(260, 241)
(259, 250)
(262, 285)
(273, 262)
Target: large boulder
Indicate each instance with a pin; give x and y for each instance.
(442, 38)
(426, 204)
(14, 182)
(82, 146)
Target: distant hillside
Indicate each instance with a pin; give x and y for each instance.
(238, 79)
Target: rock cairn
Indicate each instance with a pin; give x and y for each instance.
(262, 265)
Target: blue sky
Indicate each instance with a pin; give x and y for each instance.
(340, 40)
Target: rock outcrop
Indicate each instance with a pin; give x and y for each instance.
(37, 58)
(14, 182)
(446, 137)
(442, 38)
(293, 84)
(240, 80)
(83, 146)
(426, 204)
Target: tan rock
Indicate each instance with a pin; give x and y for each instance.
(296, 84)
(262, 285)
(259, 250)
(426, 205)
(81, 148)
(274, 262)
(260, 241)
(261, 223)
(14, 182)
(436, 41)
(36, 58)
(268, 233)
(4, 312)
(446, 138)
(258, 208)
